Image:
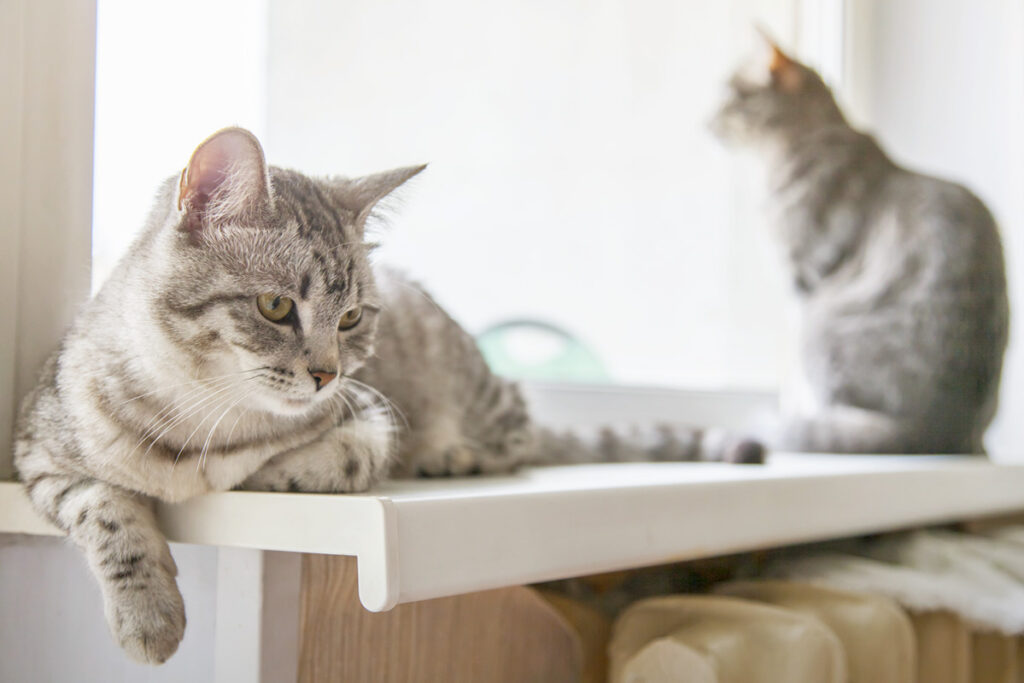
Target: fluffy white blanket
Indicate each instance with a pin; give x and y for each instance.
(980, 578)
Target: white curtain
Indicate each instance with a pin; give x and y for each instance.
(47, 58)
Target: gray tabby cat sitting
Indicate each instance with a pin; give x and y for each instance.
(245, 342)
(900, 276)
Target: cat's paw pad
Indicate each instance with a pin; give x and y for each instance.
(147, 617)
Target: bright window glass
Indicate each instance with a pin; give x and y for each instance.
(572, 180)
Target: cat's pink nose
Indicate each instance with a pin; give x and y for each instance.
(322, 378)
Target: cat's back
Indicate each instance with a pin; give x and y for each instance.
(949, 236)
(917, 322)
(419, 350)
(412, 325)
(456, 416)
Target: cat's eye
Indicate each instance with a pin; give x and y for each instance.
(350, 318)
(274, 307)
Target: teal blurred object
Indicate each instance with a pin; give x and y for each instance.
(532, 349)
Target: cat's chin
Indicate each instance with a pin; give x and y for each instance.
(287, 406)
(295, 408)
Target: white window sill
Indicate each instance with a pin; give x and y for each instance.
(430, 538)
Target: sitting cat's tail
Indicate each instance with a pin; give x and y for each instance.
(663, 443)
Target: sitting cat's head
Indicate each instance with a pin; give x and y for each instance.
(773, 99)
(266, 272)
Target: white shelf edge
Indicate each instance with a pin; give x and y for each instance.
(424, 539)
(362, 526)
(288, 522)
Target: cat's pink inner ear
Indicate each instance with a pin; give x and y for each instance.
(785, 72)
(226, 178)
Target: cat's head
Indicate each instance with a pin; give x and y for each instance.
(774, 98)
(268, 277)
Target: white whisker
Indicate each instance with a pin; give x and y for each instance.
(174, 408)
(210, 411)
(209, 437)
(195, 408)
(186, 383)
(234, 424)
(387, 403)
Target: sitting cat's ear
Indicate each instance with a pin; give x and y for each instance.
(785, 72)
(360, 195)
(225, 180)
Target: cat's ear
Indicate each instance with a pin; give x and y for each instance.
(785, 72)
(226, 180)
(360, 195)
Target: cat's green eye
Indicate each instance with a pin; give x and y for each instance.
(350, 318)
(274, 307)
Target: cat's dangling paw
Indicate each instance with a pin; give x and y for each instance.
(146, 615)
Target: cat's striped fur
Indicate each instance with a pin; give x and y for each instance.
(171, 383)
(900, 276)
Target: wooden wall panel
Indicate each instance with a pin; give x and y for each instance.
(506, 635)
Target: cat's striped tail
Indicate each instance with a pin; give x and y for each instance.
(662, 443)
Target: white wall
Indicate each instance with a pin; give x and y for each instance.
(52, 627)
(941, 82)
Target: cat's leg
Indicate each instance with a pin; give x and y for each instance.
(117, 532)
(443, 447)
(435, 446)
(491, 435)
(348, 458)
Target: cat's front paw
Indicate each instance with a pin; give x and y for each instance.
(348, 459)
(146, 615)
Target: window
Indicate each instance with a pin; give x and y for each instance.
(572, 180)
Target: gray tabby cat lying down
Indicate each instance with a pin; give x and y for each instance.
(900, 276)
(246, 342)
